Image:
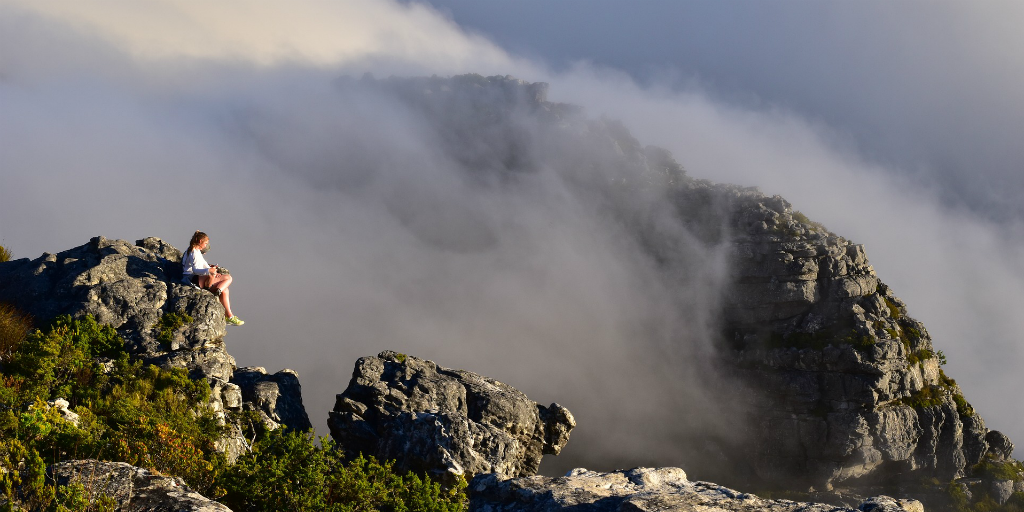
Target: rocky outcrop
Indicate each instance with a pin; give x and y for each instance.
(444, 422)
(640, 490)
(135, 288)
(850, 387)
(277, 398)
(134, 489)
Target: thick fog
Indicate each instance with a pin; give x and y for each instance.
(352, 226)
(932, 89)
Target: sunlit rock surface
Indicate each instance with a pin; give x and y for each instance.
(444, 422)
(134, 489)
(640, 490)
(130, 287)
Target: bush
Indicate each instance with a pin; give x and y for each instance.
(288, 472)
(5, 254)
(14, 326)
(58, 362)
(919, 355)
(894, 310)
(999, 469)
(160, 419)
(168, 323)
(140, 414)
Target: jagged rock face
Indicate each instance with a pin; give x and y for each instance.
(277, 397)
(444, 422)
(135, 489)
(638, 490)
(130, 287)
(851, 386)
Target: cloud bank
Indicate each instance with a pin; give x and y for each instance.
(351, 225)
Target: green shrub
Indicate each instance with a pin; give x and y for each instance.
(160, 419)
(289, 472)
(5, 254)
(999, 469)
(857, 341)
(14, 326)
(894, 310)
(957, 494)
(911, 332)
(168, 323)
(928, 396)
(962, 407)
(919, 355)
(58, 362)
(802, 219)
(141, 414)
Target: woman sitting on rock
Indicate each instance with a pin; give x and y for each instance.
(197, 272)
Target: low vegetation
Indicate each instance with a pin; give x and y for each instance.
(168, 323)
(812, 225)
(819, 340)
(160, 420)
(979, 498)
(288, 471)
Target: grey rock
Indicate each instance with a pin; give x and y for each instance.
(999, 445)
(130, 287)
(61, 406)
(888, 504)
(134, 489)
(639, 490)
(442, 421)
(277, 396)
(1001, 490)
(834, 359)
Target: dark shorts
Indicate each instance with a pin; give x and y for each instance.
(195, 281)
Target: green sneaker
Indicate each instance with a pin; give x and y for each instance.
(235, 320)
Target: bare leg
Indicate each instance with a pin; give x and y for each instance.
(220, 282)
(227, 303)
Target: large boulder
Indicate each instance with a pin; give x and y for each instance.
(639, 490)
(277, 397)
(131, 287)
(134, 489)
(444, 422)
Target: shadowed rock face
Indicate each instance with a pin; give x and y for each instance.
(442, 421)
(276, 397)
(640, 490)
(850, 386)
(130, 287)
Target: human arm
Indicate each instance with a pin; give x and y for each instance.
(194, 263)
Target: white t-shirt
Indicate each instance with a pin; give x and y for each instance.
(193, 263)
